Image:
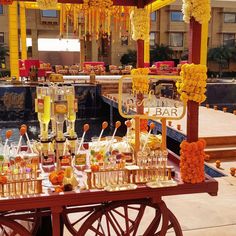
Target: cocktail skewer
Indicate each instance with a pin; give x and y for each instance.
(86, 128)
(104, 126)
(152, 126)
(8, 135)
(22, 132)
(128, 124)
(27, 137)
(117, 125)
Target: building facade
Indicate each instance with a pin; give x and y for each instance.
(167, 27)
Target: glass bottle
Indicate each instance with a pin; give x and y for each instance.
(127, 151)
(72, 108)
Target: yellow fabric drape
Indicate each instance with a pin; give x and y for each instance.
(13, 40)
(147, 43)
(23, 31)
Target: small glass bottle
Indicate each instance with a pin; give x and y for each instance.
(128, 151)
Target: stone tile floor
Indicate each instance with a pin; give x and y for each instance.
(204, 215)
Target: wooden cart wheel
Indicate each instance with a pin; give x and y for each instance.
(9, 227)
(173, 224)
(29, 220)
(131, 217)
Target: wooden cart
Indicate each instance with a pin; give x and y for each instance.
(98, 212)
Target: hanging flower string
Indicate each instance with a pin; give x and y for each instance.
(93, 19)
(199, 9)
(140, 82)
(47, 4)
(192, 157)
(140, 19)
(192, 85)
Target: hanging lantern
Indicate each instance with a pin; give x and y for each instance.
(6, 2)
(47, 4)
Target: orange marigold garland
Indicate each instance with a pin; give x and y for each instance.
(192, 157)
(143, 125)
(6, 2)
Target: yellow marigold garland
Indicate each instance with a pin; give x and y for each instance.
(192, 157)
(47, 4)
(101, 4)
(192, 85)
(199, 9)
(140, 82)
(139, 22)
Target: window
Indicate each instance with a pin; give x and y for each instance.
(229, 40)
(49, 13)
(176, 16)
(230, 17)
(152, 39)
(1, 37)
(1, 9)
(176, 39)
(153, 16)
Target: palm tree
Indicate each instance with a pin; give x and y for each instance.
(184, 55)
(160, 53)
(3, 53)
(129, 58)
(233, 51)
(221, 55)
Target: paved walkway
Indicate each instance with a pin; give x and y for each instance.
(204, 215)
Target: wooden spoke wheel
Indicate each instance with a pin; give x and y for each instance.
(75, 216)
(10, 227)
(128, 218)
(27, 221)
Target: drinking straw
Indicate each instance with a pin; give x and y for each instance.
(8, 135)
(86, 128)
(27, 137)
(22, 132)
(152, 126)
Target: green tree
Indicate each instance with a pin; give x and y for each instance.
(233, 51)
(129, 58)
(3, 51)
(222, 56)
(184, 55)
(160, 53)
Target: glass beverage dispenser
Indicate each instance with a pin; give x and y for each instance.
(71, 117)
(43, 108)
(60, 112)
